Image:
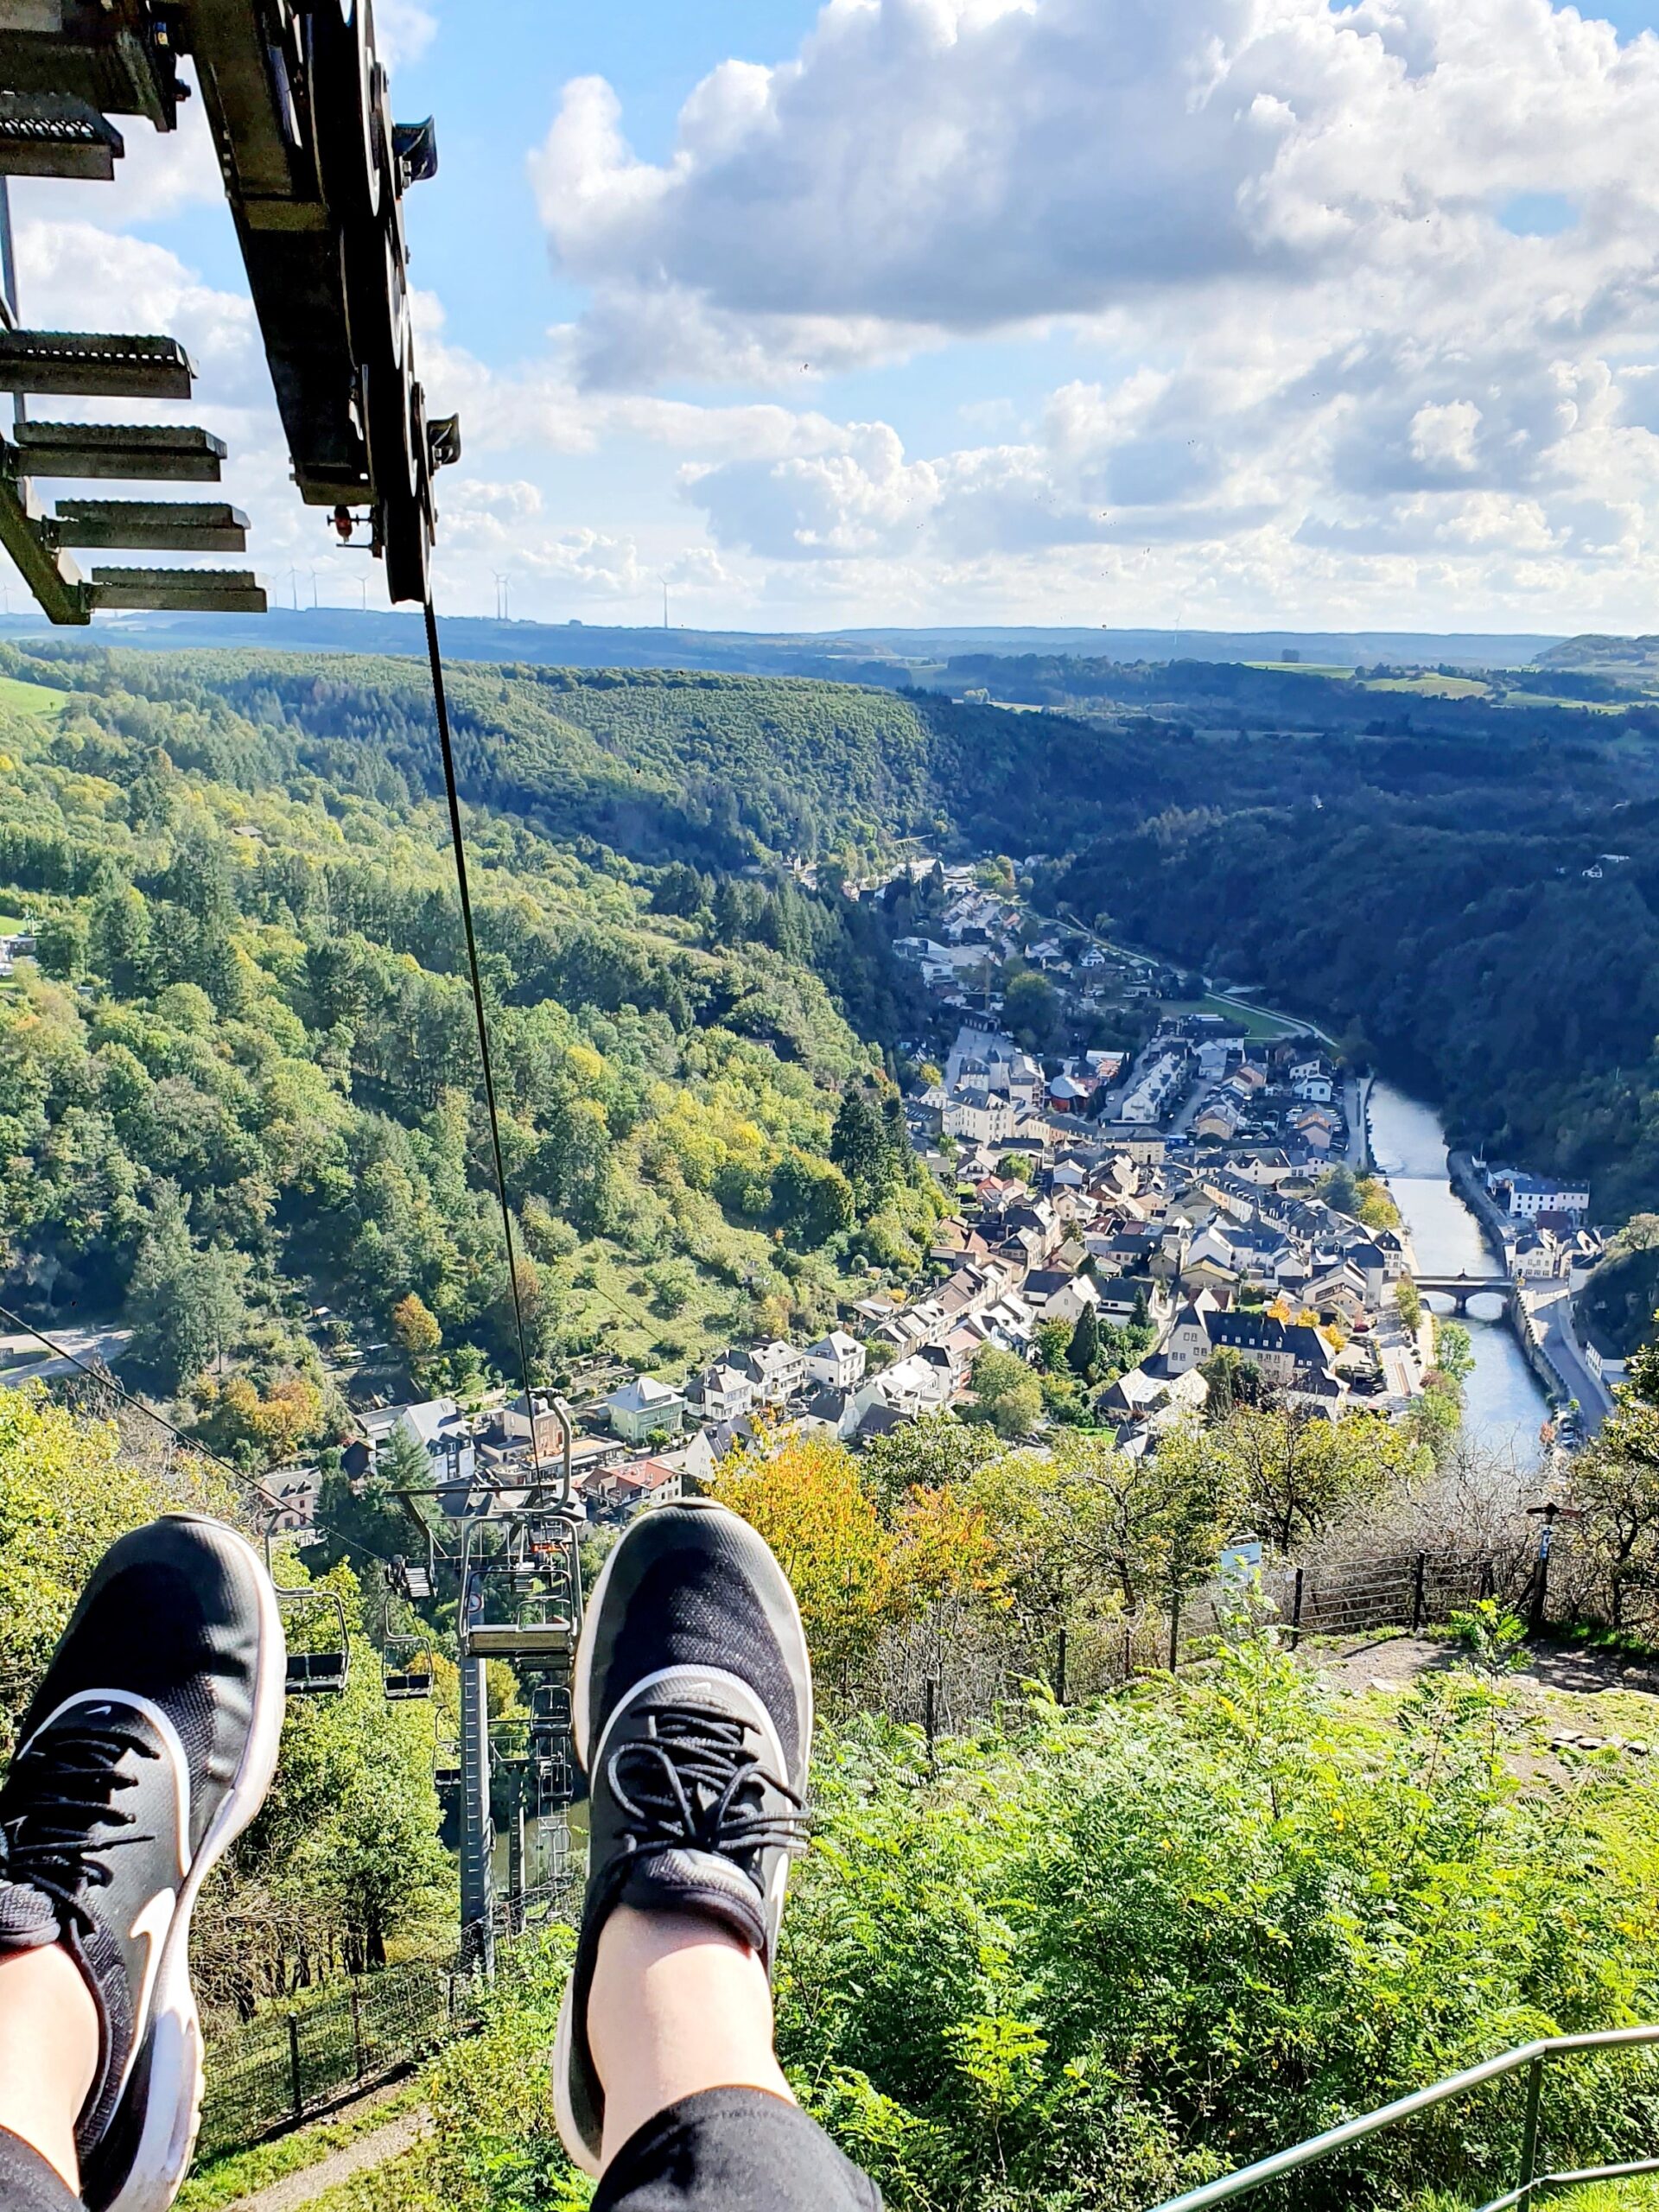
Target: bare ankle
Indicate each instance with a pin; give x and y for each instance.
(678, 2005)
(48, 2052)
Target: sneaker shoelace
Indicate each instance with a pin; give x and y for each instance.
(68, 1781)
(694, 1784)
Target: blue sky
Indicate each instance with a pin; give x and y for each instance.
(1244, 311)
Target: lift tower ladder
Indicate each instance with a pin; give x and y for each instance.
(315, 170)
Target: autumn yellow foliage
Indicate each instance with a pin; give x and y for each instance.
(855, 1571)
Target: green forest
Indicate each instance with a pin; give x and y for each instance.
(240, 1107)
(239, 1083)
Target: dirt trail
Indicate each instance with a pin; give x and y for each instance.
(1396, 1659)
(376, 2149)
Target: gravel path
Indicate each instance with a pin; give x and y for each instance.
(378, 2149)
(1394, 1659)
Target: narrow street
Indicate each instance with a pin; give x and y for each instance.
(1553, 1310)
(23, 1358)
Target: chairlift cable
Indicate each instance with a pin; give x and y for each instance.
(106, 1381)
(440, 704)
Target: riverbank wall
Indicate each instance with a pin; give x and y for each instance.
(1499, 1232)
(1536, 1353)
(1495, 1225)
(1359, 1134)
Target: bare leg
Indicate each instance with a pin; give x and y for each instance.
(677, 2006)
(48, 2051)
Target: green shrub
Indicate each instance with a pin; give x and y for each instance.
(1114, 1955)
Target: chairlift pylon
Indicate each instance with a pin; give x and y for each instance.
(321, 1673)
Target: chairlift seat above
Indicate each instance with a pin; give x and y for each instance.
(319, 1616)
(520, 1639)
(317, 1673)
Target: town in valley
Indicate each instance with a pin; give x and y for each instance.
(1190, 1208)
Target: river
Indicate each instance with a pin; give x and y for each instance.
(1505, 1403)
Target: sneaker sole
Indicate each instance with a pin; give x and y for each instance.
(570, 2135)
(167, 2140)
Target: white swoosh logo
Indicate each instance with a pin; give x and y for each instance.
(151, 1926)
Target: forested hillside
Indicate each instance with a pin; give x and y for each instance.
(238, 1078)
(1485, 942)
(658, 765)
(240, 1081)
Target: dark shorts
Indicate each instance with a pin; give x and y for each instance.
(726, 2151)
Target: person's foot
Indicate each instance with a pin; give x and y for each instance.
(693, 1721)
(147, 1749)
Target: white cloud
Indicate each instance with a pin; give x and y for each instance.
(925, 167)
(1442, 435)
(1284, 348)
(404, 30)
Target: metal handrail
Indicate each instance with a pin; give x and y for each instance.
(1533, 2054)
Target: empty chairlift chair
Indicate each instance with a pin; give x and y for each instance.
(317, 1618)
(406, 1670)
(552, 1770)
(446, 1767)
(521, 1585)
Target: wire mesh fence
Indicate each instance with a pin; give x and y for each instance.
(952, 1672)
(1410, 1591)
(290, 2061)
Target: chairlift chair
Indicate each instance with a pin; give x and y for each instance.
(550, 1707)
(406, 1668)
(552, 1786)
(521, 1580)
(411, 1579)
(446, 1766)
(321, 1673)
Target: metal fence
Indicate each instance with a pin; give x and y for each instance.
(1531, 2183)
(290, 2061)
(1409, 1591)
(949, 1674)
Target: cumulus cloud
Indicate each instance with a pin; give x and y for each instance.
(404, 30)
(948, 166)
(1342, 307)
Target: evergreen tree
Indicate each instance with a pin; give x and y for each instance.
(1083, 1352)
(185, 1306)
(859, 1145)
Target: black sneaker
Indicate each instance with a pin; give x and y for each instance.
(693, 1720)
(149, 1748)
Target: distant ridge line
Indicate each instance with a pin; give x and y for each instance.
(885, 655)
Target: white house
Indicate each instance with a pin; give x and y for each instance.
(724, 1392)
(1080, 1296)
(831, 1413)
(642, 1406)
(440, 1429)
(1528, 1196)
(1189, 1340)
(694, 1460)
(780, 1368)
(982, 1116)
(836, 1362)
(915, 1386)
(1538, 1256)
